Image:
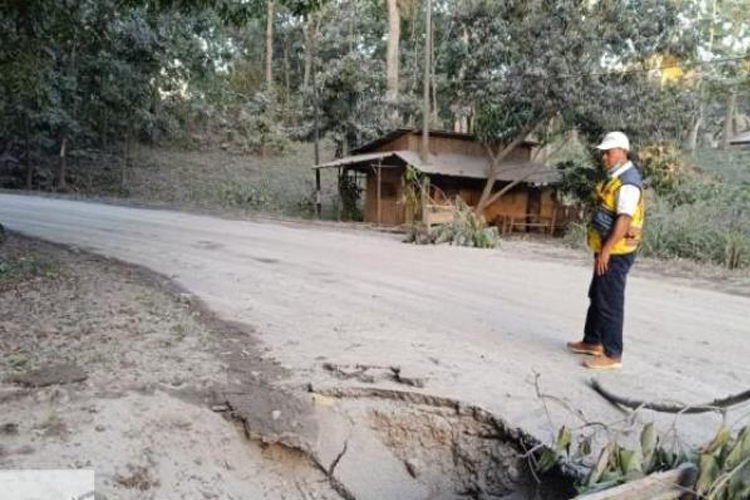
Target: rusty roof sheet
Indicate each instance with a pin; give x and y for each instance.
(453, 165)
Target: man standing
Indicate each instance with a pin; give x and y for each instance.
(614, 234)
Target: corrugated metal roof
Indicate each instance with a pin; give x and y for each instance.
(395, 134)
(743, 138)
(354, 159)
(454, 165)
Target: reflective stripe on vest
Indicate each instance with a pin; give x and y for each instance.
(598, 231)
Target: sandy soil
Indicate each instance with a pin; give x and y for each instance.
(142, 419)
(474, 325)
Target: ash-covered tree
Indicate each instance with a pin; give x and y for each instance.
(88, 74)
(529, 64)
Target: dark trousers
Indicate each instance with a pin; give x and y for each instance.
(607, 303)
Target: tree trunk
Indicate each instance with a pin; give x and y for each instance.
(729, 120)
(433, 82)
(461, 122)
(693, 138)
(487, 197)
(308, 33)
(392, 61)
(425, 149)
(415, 59)
(287, 83)
(269, 44)
(125, 162)
(61, 183)
(29, 175)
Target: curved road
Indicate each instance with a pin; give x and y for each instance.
(477, 325)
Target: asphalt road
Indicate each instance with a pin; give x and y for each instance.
(477, 325)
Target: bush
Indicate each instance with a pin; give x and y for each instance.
(350, 193)
(663, 167)
(712, 228)
(249, 196)
(256, 128)
(715, 230)
(466, 229)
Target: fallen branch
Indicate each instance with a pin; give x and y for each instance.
(717, 405)
(669, 485)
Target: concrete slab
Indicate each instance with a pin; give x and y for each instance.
(361, 463)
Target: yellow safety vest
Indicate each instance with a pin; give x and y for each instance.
(606, 213)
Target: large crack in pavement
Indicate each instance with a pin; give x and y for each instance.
(373, 442)
(377, 442)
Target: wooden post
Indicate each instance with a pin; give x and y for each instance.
(339, 204)
(318, 197)
(554, 220)
(425, 201)
(316, 128)
(380, 205)
(62, 172)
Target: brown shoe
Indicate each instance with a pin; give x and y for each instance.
(603, 362)
(586, 348)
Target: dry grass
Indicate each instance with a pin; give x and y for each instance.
(217, 179)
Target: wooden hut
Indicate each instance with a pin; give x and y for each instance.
(457, 165)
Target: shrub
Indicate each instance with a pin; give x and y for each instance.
(714, 229)
(663, 167)
(351, 198)
(255, 197)
(465, 229)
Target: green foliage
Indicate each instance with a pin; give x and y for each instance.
(257, 127)
(17, 269)
(351, 198)
(724, 467)
(689, 214)
(714, 226)
(550, 456)
(254, 197)
(663, 167)
(578, 181)
(723, 464)
(466, 229)
(88, 73)
(527, 62)
(412, 191)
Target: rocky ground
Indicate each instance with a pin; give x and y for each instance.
(142, 417)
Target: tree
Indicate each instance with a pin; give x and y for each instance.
(392, 58)
(723, 31)
(81, 74)
(580, 63)
(269, 43)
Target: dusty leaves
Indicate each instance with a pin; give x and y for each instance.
(550, 457)
(723, 464)
(649, 442)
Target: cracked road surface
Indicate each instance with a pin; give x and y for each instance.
(475, 325)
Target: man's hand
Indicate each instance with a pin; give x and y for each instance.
(601, 263)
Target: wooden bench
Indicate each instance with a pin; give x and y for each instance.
(548, 225)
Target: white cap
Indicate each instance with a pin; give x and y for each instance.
(615, 140)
